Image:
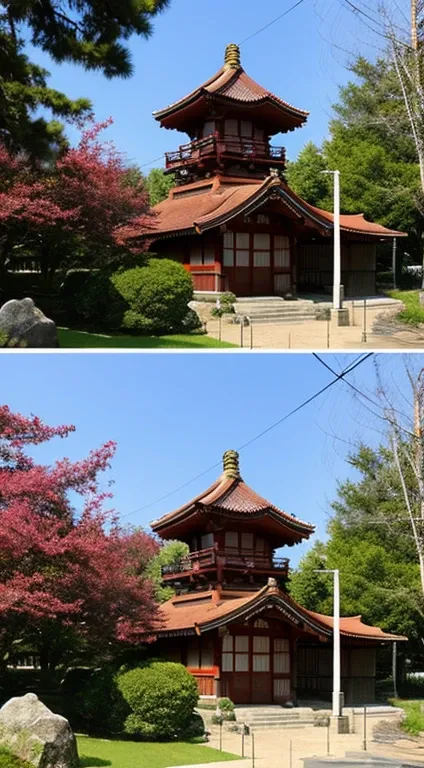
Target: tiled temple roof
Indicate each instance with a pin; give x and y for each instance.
(229, 495)
(198, 207)
(233, 84)
(198, 613)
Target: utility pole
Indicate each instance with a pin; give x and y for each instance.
(337, 270)
(414, 25)
(394, 261)
(337, 694)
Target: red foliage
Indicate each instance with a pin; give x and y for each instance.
(86, 195)
(77, 569)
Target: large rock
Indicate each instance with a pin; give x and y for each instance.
(30, 730)
(22, 324)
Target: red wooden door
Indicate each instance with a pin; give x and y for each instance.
(261, 670)
(260, 263)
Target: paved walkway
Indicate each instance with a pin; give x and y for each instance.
(286, 748)
(316, 334)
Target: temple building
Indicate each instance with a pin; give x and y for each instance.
(233, 623)
(231, 219)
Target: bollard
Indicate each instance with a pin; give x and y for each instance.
(220, 736)
(220, 328)
(289, 340)
(290, 754)
(241, 329)
(365, 729)
(328, 737)
(242, 739)
(328, 333)
(364, 331)
(253, 750)
(251, 333)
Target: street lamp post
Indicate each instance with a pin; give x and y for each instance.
(336, 249)
(337, 694)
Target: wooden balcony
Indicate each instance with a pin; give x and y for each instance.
(209, 559)
(224, 148)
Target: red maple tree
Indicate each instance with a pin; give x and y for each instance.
(71, 579)
(69, 214)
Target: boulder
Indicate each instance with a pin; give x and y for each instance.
(30, 730)
(22, 324)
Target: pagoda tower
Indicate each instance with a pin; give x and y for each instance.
(233, 534)
(230, 120)
(231, 620)
(231, 219)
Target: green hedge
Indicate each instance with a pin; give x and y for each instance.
(151, 299)
(162, 696)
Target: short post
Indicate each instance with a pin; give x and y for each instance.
(241, 329)
(220, 735)
(328, 736)
(253, 750)
(242, 739)
(365, 729)
(251, 333)
(289, 340)
(328, 333)
(220, 328)
(290, 754)
(364, 330)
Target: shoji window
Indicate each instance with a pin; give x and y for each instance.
(231, 540)
(229, 249)
(281, 657)
(206, 541)
(208, 128)
(227, 653)
(247, 542)
(261, 250)
(261, 654)
(242, 249)
(241, 653)
(203, 253)
(281, 251)
(236, 249)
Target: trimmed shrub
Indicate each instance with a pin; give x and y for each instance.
(146, 300)
(162, 696)
(156, 295)
(225, 704)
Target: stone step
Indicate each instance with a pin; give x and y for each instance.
(283, 724)
(281, 320)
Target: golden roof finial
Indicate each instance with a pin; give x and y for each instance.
(230, 461)
(232, 57)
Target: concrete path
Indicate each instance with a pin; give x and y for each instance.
(287, 748)
(314, 334)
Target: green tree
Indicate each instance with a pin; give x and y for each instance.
(370, 143)
(370, 543)
(158, 185)
(306, 176)
(23, 92)
(85, 32)
(170, 553)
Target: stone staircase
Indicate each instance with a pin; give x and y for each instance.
(274, 309)
(274, 716)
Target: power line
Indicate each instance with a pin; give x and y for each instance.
(275, 424)
(274, 21)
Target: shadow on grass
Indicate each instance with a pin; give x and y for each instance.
(78, 339)
(92, 762)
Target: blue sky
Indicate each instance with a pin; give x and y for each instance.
(173, 416)
(295, 58)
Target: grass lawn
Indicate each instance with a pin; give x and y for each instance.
(71, 339)
(414, 710)
(413, 312)
(135, 754)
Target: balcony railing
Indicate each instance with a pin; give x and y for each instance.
(227, 558)
(237, 147)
